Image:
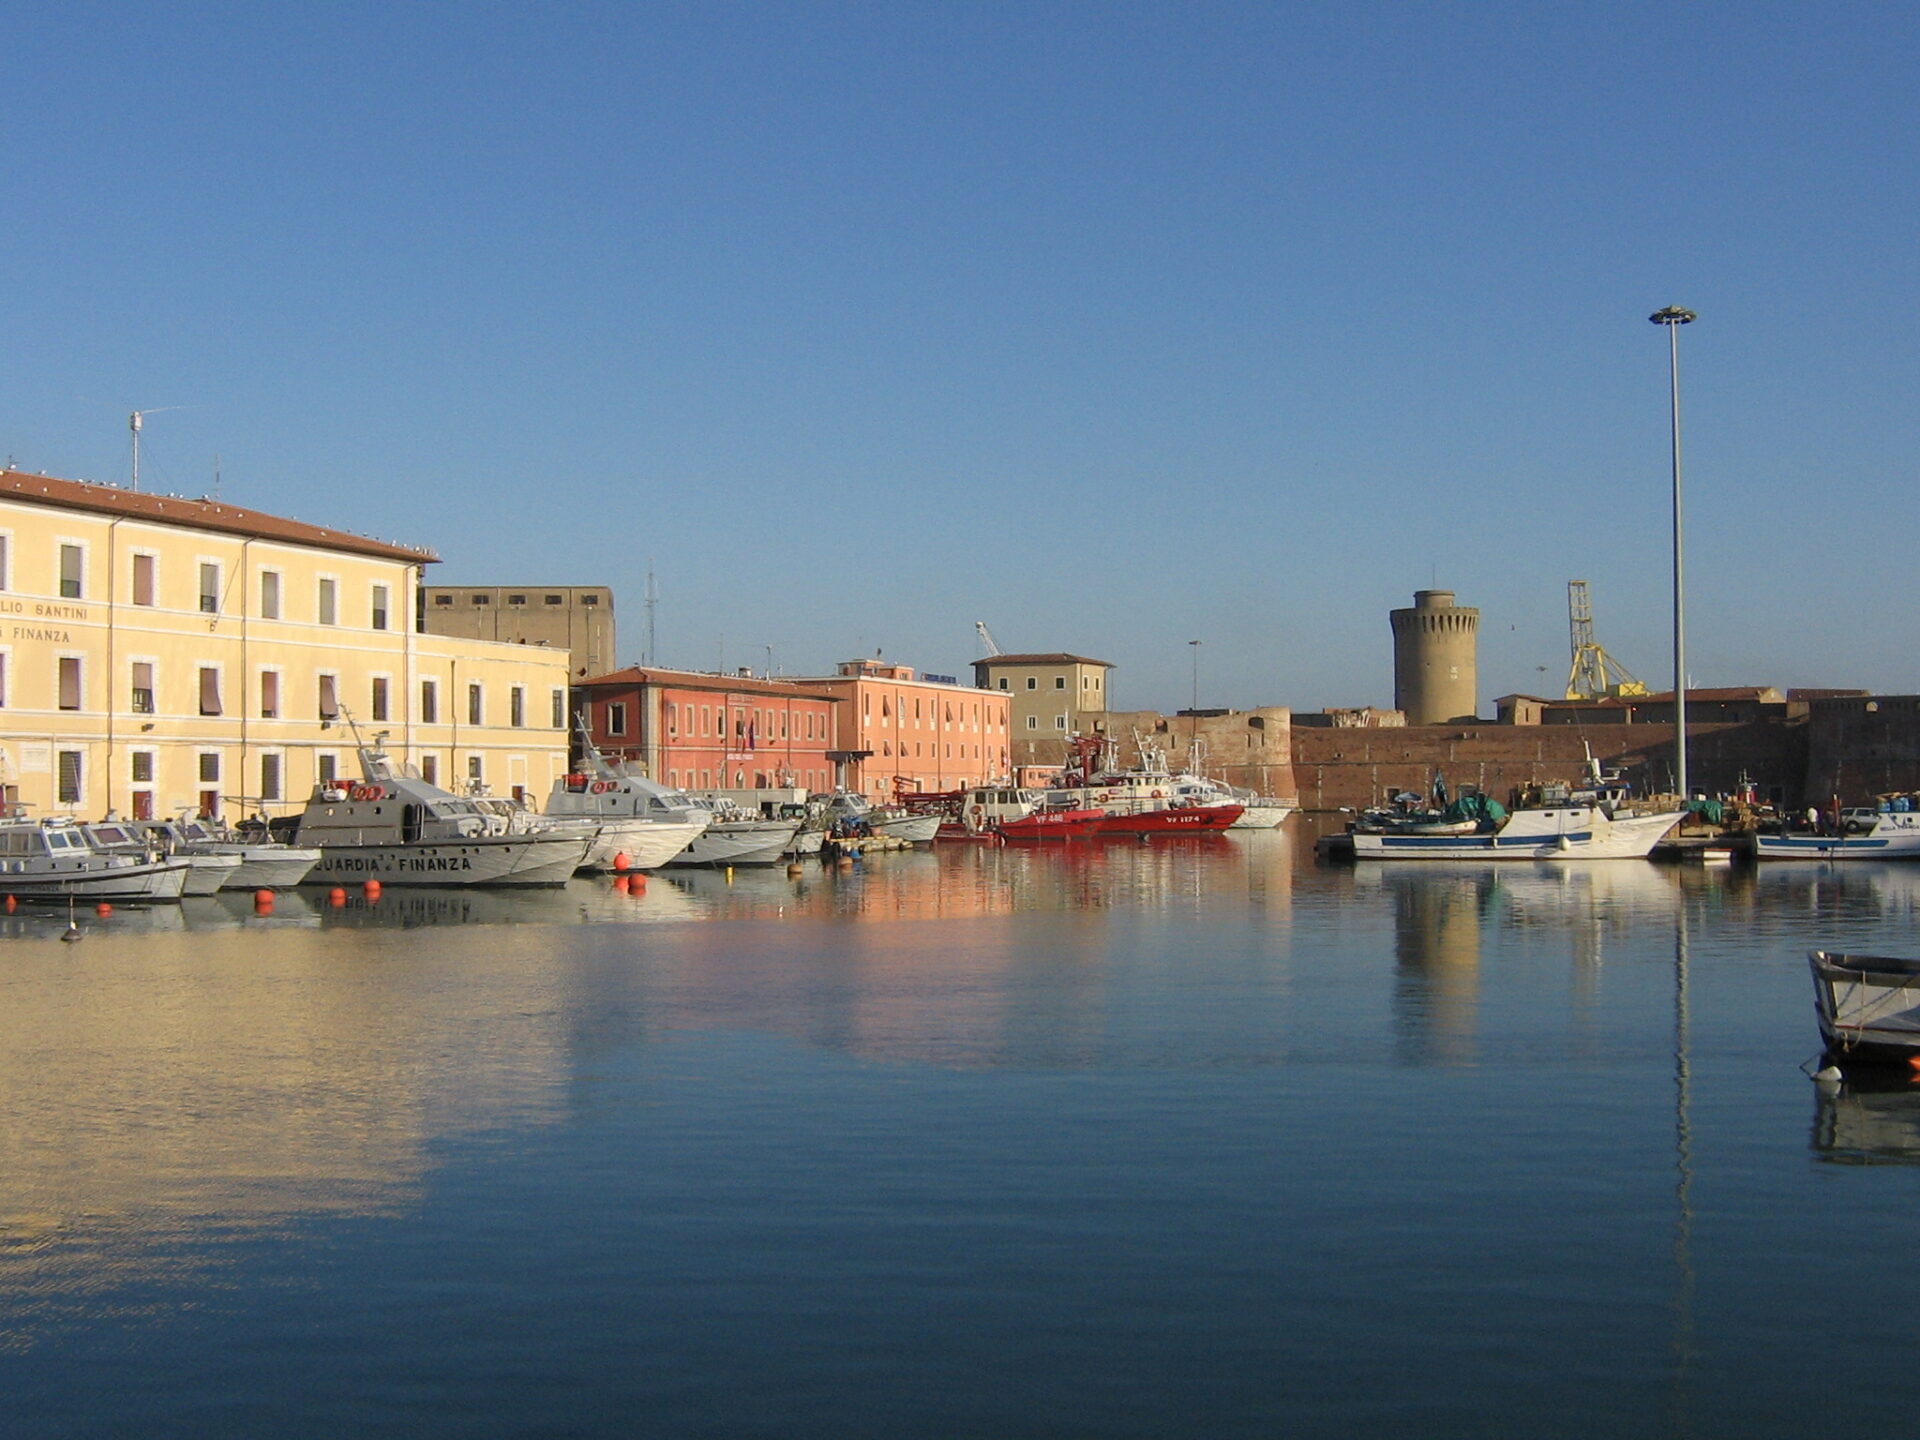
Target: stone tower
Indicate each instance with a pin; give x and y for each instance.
(1435, 673)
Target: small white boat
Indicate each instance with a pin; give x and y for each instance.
(1894, 835)
(205, 873)
(263, 864)
(51, 860)
(1564, 832)
(647, 823)
(1868, 1005)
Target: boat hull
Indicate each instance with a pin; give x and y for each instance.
(916, 829)
(479, 860)
(1593, 837)
(1261, 815)
(647, 844)
(1053, 825)
(741, 842)
(1192, 820)
(1868, 1005)
(1886, 843)
(268, 867)
(160, 880)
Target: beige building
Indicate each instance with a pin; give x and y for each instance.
(1051, 697)
(575, 618)
(159, 654)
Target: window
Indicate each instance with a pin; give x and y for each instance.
(73, 559)
(142, 767)
(1059, 722)
(329, 697)
(143, 687)
(269, 777)
(209, 589)
(209, 766)
(474, 771)
(517, 706)
(559, 709)
(269, 694)
(475, 704)
(1003, 682)
(269, 594)
(72, 777)
(443, 599)
(327, 768)
(6, 548)
(430, 702)
(209, 690)
(69, 682)
(1032, 683)
(329, 602)
(143, 579)
(556, 599)
(617, 719)
(589, 599)
(1059, 682)
(516, 599)
(380, 595)
(379, 700)
(1033, 722)
(483, 599)
(430, 769)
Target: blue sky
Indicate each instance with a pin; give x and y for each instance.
(1114, 326)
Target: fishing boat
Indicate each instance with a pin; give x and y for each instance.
(1560, 832)
(647, 823)
(859, 815)
(1052, 825)
(50, 859)
(1893, 835)
(1868, 1005)
(1140, 801)
(394, 827)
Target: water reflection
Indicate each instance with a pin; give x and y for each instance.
(1868, 1120)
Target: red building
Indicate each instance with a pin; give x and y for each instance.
(712, 732)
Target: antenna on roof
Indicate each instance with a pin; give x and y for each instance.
(134, 422)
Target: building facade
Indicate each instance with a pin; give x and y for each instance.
(574, 618)
(160, 654)
(1050, 697)
(713, 732)
(896, 730)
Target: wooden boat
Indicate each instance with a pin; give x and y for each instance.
(1868, 1005)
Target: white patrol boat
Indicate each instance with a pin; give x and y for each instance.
(643, 821)
(396, 828)
(206, 874)
(51, 860)
(264, 864)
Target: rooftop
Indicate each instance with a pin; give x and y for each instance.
(202, 514)
(1057, 658)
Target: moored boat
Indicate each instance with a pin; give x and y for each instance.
(1052, 825)
(647, 823)
(1561, 832)
(51, 860)
(1894, 835)
(399, 829)
(206, 874)
(1868, 1005)
(264, 864)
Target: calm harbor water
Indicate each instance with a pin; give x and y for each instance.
(1190, 1138)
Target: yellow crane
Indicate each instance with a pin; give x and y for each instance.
(1595, 674)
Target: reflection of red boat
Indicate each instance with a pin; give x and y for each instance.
(1054, 825)
(1193, 819)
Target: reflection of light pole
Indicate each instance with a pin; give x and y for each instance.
(1673, 317)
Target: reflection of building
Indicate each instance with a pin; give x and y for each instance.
(1437, 922)
(1435, 649)
(713, 732)
(159, 653)
(1051, 697)
(925, 733)
(574, 618)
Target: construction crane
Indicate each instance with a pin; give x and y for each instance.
(986, 639)
(1588, 679)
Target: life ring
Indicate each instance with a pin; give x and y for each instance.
(977, 812)
(1159, 794)
(601, 787)
(366, 792)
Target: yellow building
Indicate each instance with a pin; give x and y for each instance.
(159, 654)
(1052, 696)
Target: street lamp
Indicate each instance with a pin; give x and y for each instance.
(1196, 675)
(1673, 317)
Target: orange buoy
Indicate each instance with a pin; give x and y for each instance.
(620, 883)
(12, 904)
(337, 896)
(263, 899)
(636, 884)
(103, 908)
(795, 871)
(620, 863)
(372, 887)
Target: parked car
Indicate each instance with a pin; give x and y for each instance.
(1858, 819)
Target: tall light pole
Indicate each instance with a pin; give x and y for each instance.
(1673, 317)
(1195, 644)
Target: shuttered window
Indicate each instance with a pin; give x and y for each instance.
(69, 682)
(269, 694)
(142, 687)
(429, 702)
(329, 699)
(143, 579)
(209, 690)
(72, 566)
(209, 589)
(72, 778)
(269, 777)
(379, 697)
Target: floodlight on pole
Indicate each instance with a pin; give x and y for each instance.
(1673, 317)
